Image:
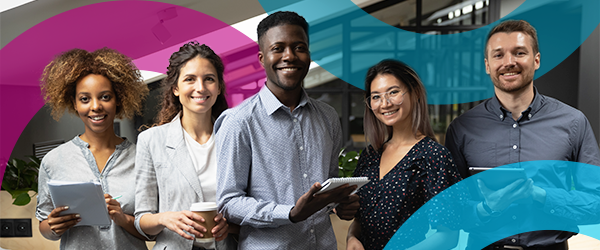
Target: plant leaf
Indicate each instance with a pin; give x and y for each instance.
(17, 193)
(22, 200)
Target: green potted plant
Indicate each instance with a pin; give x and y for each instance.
(20, 177)
(347, 162)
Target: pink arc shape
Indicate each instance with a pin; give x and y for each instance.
(122, 25)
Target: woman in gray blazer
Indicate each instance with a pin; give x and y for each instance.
(176, 161)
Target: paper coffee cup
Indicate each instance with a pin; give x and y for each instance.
(208, 211)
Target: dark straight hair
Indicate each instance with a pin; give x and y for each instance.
(376, 132)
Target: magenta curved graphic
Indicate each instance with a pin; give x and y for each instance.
(148, 32)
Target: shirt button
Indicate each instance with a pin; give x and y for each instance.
(301, 148)
(295, 120)
(551, 211)
(514, 217)
(514, 146)
(312, 231)
(305, 175)
(501, 116)
(513, 240)
(515, 125)
(529, 115)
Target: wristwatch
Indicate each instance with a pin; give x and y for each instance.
(489, 210)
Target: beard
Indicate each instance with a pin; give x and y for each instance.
(513, 86)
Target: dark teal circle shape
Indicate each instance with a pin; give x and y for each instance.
(346, 41)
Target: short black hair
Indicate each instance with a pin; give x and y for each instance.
(280, 18)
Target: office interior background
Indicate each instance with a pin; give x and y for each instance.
(575, 81)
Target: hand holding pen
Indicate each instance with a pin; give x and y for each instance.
(114, 209)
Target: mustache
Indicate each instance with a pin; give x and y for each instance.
(510, 70)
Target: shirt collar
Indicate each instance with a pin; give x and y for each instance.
(272, 104)
(82, 144)
(497, 109)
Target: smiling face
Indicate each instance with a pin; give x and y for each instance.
(96, 103)
(511, 62)
(197, 87)
(387, 112)
(284, 55)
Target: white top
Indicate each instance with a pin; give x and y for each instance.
(204, 158)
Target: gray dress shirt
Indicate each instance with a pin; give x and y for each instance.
(488, 136)
(73, 161)
(268, 157)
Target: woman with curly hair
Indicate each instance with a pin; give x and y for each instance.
(176, 161)
(98, 87)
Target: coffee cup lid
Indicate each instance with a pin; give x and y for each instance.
(204, 206)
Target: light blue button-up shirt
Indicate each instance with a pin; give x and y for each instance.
(267, 158)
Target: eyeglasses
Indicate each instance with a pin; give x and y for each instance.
(393, 96)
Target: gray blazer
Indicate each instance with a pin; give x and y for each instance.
(166, 180)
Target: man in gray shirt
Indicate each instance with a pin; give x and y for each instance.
(518, 124)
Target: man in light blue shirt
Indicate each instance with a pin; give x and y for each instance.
(275, 148)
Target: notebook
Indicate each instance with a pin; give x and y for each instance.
(83, 198)
(333, 183)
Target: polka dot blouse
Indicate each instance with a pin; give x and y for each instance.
(386, 204)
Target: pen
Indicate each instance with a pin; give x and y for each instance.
(117, 197)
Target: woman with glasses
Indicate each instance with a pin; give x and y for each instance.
(404, 163)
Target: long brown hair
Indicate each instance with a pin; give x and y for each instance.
(376, 132)
(171, 105)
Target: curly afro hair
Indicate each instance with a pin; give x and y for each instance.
(59, 80)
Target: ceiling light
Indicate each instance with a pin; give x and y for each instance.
(450, 15)
(457, 13)
(439, 20)
(167, 14)
(467, 9)
(479, 5)
(161, 33)
(159, 30)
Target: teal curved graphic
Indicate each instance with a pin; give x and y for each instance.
(569, 205)
(346, 41)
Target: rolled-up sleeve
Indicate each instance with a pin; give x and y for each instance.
(44, 201)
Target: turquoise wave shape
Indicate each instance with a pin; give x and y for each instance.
(570, 205)
(346, 41)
